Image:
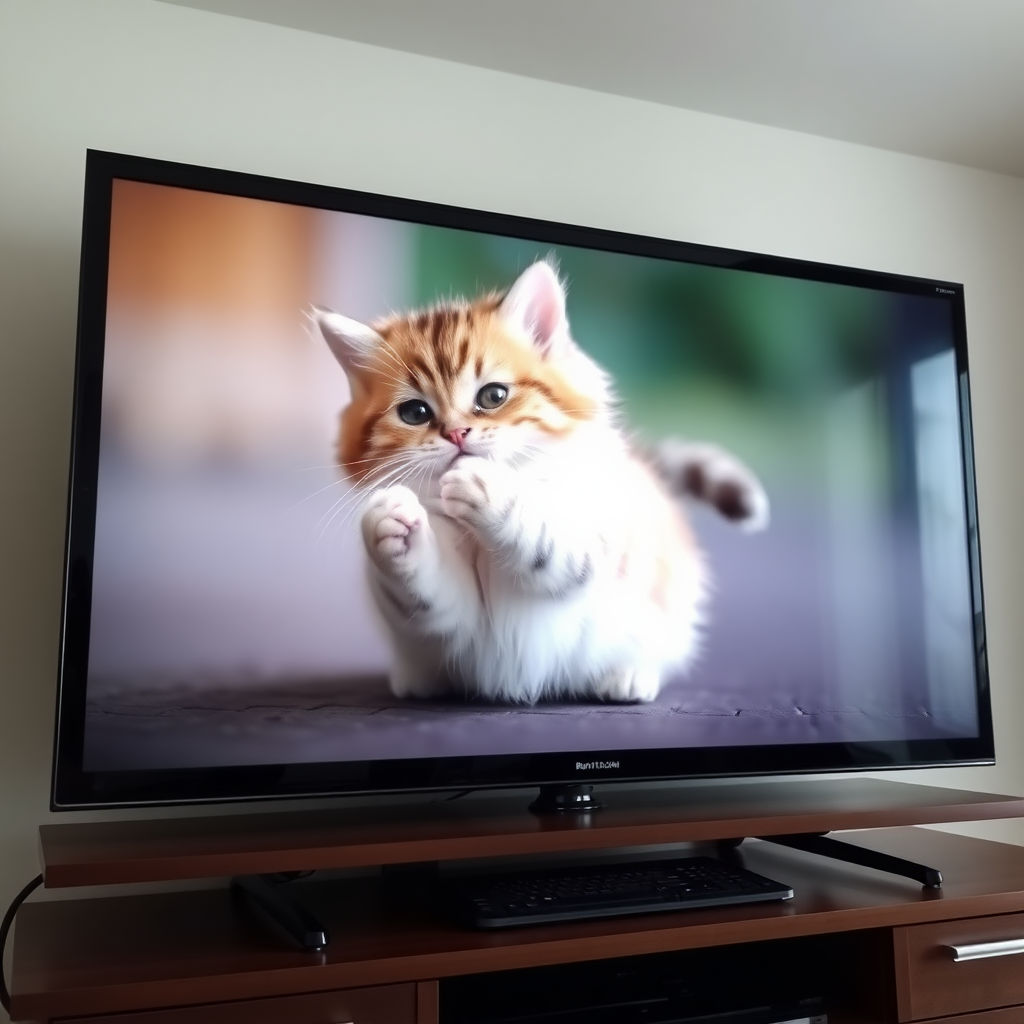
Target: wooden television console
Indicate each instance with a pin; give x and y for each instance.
(885, 950)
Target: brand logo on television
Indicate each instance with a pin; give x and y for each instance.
(946, 291)
(589, 766)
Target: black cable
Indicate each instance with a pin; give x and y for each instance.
(5, 996)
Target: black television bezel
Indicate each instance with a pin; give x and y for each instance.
(74, 789)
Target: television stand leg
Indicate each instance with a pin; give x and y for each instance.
(265, 894)
(930, 878)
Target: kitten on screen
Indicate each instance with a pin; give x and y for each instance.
(520, 547)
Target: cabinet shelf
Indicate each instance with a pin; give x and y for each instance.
(165, 849)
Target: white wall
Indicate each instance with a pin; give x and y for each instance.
(142, 77)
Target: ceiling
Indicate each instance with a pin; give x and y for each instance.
(936, 78)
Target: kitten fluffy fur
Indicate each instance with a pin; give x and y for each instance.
(519, 548)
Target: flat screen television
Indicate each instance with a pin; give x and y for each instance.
(372, 495)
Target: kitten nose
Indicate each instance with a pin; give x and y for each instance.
(457, 437)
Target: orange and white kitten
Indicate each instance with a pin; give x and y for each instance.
(519, 547)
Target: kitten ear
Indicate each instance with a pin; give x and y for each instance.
(535, 305)
(351, 342)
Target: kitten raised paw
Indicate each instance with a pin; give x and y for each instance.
(396, 531)
(477, 492)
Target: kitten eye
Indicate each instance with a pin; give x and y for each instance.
(490, 396)
(415, 412)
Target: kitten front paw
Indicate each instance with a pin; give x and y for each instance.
(628, 685)
(396, 531)
(477, 492)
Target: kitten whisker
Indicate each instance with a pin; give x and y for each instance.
(348, 503)
(352, 496)
(401, 474)
(376, 458)
(345, 501)
(335, 483)
(302, 501)
(310, 469)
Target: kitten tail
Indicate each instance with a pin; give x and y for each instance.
(713, 476)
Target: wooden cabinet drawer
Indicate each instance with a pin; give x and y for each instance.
(387, 1004)
(1005, 1015)
(931, 983)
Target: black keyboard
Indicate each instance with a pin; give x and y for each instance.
(573, 894)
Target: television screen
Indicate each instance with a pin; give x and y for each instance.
(370, 494)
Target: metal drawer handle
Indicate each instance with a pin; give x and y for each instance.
(983, 950)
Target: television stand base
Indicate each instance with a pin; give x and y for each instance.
(569, 798)
(835, 849)
(264, 894)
